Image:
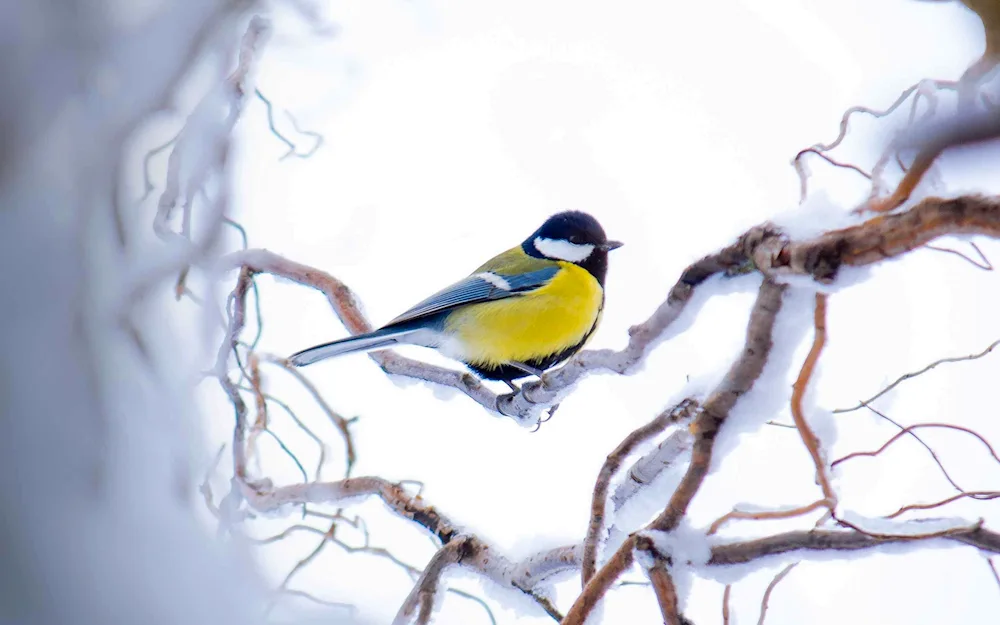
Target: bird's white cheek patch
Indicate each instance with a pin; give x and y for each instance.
(497, 281)
(563, 250)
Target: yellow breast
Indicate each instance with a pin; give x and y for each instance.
(548, 320)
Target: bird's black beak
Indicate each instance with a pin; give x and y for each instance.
(607, 246)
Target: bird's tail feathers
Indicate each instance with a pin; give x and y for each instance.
(379, 339)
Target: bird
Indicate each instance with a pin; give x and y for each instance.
(518, 314)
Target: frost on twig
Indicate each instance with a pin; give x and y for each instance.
(458, 547)
(293, 149)
(199, 154)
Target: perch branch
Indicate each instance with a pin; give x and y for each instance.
(821, 258)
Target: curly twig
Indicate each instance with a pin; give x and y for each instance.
(809, 438)
(765, 515)
(908, 429)
(980, 495)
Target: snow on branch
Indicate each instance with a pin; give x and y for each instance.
(804, 542)
(679, 414)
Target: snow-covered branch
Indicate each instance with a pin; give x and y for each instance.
(712, 414)
(803, 542)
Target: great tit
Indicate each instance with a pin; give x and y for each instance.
(518, 314)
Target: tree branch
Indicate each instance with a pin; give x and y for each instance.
(837, 540)
(880, 238)
(611, 465)
(809, 438)
(738, 381)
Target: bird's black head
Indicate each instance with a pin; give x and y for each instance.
(573, 237)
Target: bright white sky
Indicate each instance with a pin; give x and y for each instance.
(454, 128)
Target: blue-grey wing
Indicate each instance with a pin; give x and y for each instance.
(477, 288)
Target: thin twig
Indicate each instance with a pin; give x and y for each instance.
(770, 588)
(301, 564)
(930, 450)
(298, 422)
(342, 424)
(765, 515)
(834, 162)
(270, 122)
(983, 262)
(206, 488)
(993, 569)
(288, 452)
(949, 426)
(148, 185)
(980, 495)
(809, 438)
(293, 149)
(305, 595)
(822, 148)
(317, 137)
(725, 604)
(953, 529)
(913, 374)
